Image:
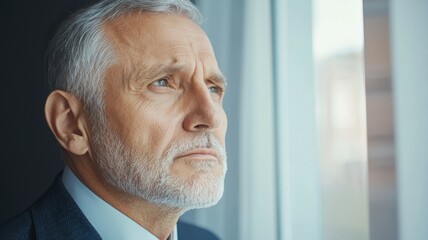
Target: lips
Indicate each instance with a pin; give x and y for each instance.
(202, 153)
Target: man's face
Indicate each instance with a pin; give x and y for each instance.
(164, 130)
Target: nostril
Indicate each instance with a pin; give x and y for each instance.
(201, 126)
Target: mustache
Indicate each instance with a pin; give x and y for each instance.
(202, 140)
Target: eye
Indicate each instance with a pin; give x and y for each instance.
(216, 89)
(163, 82)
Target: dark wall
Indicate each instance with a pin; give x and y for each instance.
(30, 156)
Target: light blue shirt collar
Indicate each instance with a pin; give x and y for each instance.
(110, 223)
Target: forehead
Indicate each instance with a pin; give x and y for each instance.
(157, 37)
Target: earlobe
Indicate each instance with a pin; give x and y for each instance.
(64, 115)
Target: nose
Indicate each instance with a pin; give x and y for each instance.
(204, 112)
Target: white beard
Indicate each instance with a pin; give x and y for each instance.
(141, 175)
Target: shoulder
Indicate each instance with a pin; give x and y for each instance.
(19, 227)
(53, 216)
(188, 231)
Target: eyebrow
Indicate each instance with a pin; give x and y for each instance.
(216, 77)
(163, 69)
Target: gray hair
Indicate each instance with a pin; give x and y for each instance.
(79, 54)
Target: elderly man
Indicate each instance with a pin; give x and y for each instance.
(136, 105)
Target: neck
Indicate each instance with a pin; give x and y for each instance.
(159, 220)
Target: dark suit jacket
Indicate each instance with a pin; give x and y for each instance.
(56, 216)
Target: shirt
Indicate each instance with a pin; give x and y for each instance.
(110, 223)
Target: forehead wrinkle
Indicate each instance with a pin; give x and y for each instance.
(215, 75)
(141, 74)
(162, 69)
(142, 38)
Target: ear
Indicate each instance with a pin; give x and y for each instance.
(66, 119)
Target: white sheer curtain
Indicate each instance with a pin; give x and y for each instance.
(298, 153)
(410, 60)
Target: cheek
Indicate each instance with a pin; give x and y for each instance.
(147, 133)
(154, 132)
